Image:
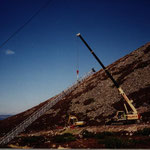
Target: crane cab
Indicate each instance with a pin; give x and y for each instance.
(120, 115)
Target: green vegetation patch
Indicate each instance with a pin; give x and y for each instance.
(144, 132)
(87, 134)
(104, 134)
(100, 135)
(31, 140)
(66, 137)
(114, 142)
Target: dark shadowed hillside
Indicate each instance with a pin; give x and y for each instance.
(2, 117)
(96, 98)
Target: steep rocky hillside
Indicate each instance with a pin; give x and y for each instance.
(96, 98)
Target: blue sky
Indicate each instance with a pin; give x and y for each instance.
(41, 60)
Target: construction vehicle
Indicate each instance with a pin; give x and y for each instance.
(122, 117)
(73, 121)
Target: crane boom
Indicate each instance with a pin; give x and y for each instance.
(134, 114)
(108, 74)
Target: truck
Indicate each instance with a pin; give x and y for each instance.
(121, 117)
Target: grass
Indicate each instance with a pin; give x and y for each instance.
(87, 134)
(31, 140)
(103, 135)
(114, 142)
(100, 135)
(72, 131)
(66, 137)
(144, 132)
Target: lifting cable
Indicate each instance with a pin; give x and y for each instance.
(77, 59)
(27, 22)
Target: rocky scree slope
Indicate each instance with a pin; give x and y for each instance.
(96, 98)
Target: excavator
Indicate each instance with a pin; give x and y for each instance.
(121, 117)
(73, 121)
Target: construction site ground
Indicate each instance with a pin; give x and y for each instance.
(105, 136)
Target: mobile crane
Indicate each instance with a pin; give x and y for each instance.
(122, 117)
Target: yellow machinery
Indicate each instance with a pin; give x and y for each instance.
(126, 116)
(73, 121)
